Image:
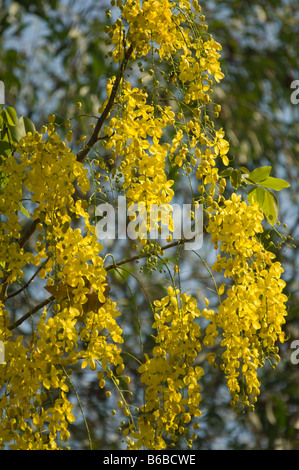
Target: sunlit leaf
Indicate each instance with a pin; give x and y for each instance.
(235, 179)
(259, 174)
(11, 116)
(270, 207)
(256, 194)
(19, 130)
(275, 183)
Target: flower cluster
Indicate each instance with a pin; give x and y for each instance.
(149, 131)
(251, 316)
(143, 163)
(139, 129)
(83, 327)
(171, 376)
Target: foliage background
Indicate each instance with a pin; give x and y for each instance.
(53, 54)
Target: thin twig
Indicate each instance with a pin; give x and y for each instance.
(28, 282)
(144, 255)
(23, 240)
(80, 406)
(108, 268)
(31, 312)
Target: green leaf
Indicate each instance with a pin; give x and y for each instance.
(259, 174)
(4, 179)
(23, 125)
(11, 116)
(256, 194)
(5, 148)
(18, 131)
(270, 207)
(244, 170)
(274, 183)
(29, 126)
(267, 202)
(235, 179)
(25, 212)
(227, 172)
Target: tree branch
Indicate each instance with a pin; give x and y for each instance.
(80, 157)
(95, 135)
(144, 255)
(108, 268)
(28, 232)
(29, 281)
(31, 312)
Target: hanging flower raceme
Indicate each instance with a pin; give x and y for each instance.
(138, 127)
(77, 280)
(250, 318)
(171, 376)
(136, 137)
